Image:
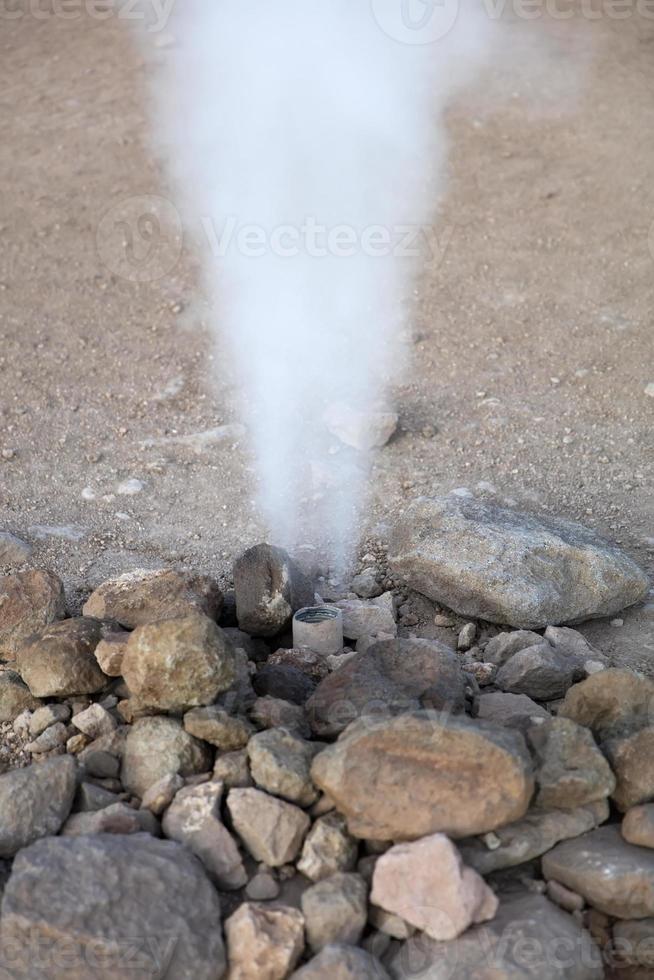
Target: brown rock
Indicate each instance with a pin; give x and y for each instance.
(193, 819)
(157, 747)
(420, 773)
(269, 588)
(15, 696)
(632, 761)
(610, 702)
(269, 712)
(271, 829)
(47, 715)
(613, 876)
(314, 665)
(638, 825)
(214, 725)
(141, 597)
(110, 652)
(28, 602)
(177, 664)
(570, 769)
(58, 661)
(158, 798)
(280, 762)
(426, 884)
(232, 770)
(263, 943)
(391, 677)
(95, 721)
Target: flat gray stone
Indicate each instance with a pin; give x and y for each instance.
(489, 562)
(613, 876)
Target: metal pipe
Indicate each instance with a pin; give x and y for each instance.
(319, 628)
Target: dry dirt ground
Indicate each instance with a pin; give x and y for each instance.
(531, 344)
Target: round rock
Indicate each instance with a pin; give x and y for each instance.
(59, 662)
(178, 664)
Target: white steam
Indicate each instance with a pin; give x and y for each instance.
(306, 141)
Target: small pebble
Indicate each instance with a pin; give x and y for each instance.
(467, 636)
(129, 488)
(262, 887)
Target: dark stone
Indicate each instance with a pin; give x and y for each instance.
(390, 677)
(283, 682)
(269, 588)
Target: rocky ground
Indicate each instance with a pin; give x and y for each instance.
(463, 790)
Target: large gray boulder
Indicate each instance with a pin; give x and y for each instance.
(109, 901)
(491, 563)
(422, 772)
(391, 677)
(35, 801)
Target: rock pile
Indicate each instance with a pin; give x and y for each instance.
(437, 799)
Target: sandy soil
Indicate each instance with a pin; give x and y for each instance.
(531, 347)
